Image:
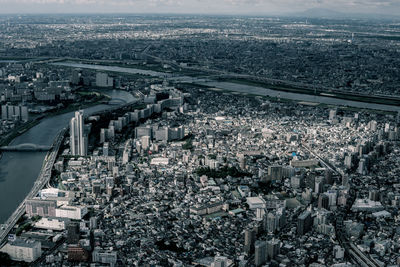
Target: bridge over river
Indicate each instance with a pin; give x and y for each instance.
(118, 101)
(27, 147)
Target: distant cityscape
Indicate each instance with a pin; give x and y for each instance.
(177, 140)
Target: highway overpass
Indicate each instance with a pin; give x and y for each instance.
(41, 182)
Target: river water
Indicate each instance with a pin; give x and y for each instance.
(248, 89)
(113, 68)
(240, 88)
(8, 61)
(19, 170)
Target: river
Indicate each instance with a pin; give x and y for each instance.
(8, 61)
(249, 89)
(19, 170)
(240, 88)
(113, 69)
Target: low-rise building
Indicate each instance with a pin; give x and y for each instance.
(23, 250)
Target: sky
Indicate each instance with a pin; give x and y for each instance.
(259, 7)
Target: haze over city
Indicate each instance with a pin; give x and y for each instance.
(259, 7)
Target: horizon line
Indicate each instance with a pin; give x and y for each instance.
(298, 14)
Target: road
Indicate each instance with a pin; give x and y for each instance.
(322, 160)
(355, 254)
(42, 180)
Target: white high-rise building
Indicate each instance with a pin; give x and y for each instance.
(145, 142)
(78, 138)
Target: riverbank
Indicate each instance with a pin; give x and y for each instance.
(329, 97)
(240, 88)
(287, 100)
(30, 124)
(115, 69)
(156, 67)
(375, 99)
(20, 130)
(19, 170)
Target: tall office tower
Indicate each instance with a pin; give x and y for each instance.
(304, 222)
(273, 248)
(103, 135)
(75, 77)
(260, 252)
(260, 214)
(249, 239)
(4, 112)
(348, 161)
(362, 167)
(181, 132)
(23, 113)
(323, 201)
(105, 149)
(318, 185)
(272, 223)
(328, 176)
(78, 138)
(93, 223)
(373, 195)
(281, 217)
(10, 110)
(110, 132)
(73, 233)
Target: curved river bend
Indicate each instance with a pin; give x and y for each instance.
(19, 170)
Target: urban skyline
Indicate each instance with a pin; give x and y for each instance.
(232, 7)
(199, 140)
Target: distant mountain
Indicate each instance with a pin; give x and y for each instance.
(333, 14)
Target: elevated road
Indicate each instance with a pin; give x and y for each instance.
(360, 258)
(322, 160)
(43, 177)
(41, 182)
